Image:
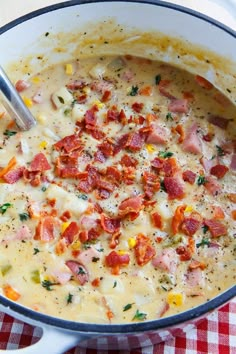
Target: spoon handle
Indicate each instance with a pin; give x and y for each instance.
(14, 103)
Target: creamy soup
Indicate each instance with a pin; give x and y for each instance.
(119, 205)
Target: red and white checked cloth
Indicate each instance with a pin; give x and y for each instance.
(214, 335)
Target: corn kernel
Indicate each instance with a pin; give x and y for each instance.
(99, 104)
(175, 299)
(35, 79)
(150, 148)
(41, 119)
(189, 208)
(69, 69)
(87, 90)
(122, 252)
(64, 226)
(43, 144)
(131, 242)
(76, 245)
(28, 102)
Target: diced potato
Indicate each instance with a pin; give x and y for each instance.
(62, 97)
(111, 285)
(78, 112)
(97, 71)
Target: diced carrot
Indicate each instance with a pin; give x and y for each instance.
(180, 130)
(110, 314)
(2, 114)
(146, 91)
(150, 117)
(196, 264)
(11, 124)
(8, 167)
(203, 82)
(218, 213)
(233, 214)
(232, 197)
(10, 293)
(191, 245)
(178, 218)
(96, 282)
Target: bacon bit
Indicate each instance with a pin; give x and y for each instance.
(106, 96)
(115, 261)
(196, 264)
(44, 231)
(130, 205)
(158, 239)
(218, 213)
(201, 81)
(184, 252)
(14, 175)
(39, 163)
(157, 220)
(180, 130)
(178, 106)
(216, 228)
(135, 141)
(96, 282)
(188, 95)
(79, 271)
(61, 247)
(106, 148)
(10, 293)
(128, 161)
(191, 224)
(233, 214)
(143, 250)
(170, 167)
(178, 218)
(219, 171)
(145, 91)
(150, 117)
(121, 143)
(174, 188)
(76, 85)
(8, 167)
(189, 176)
(158, 163)
(114, 240)
(70, 232)
(208, 137)
(69, 143)
(90, 117)
(232, 197)
(65, 216)
(21, 85)
(11, 124)
(137, 107)
(110, 225)
(113, 174)
(151, 184)
(109, 314)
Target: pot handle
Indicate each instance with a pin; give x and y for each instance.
(53, 341)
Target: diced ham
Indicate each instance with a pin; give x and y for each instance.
(151, 184)
(88, 256)
(143, 250)
(216, 227)
(21, 85)
(189, 176)
(76, 85)
(191, 223)
(170, 167)
(62, 277)
(194, 277)
(101, 86)
(79, 272)
(37, 98)
(219, 121)
(174, 187)
(131, 205)
(212, 186)
(45, 230)
(127, 75)
(233, 162)
(208, 164)
(158, 135)
(110, 225)
(88, 222)
(191, 141)
(23, 233)
(166, 260)
(39, 163)
(90, 116)
(219, 171)
(14, 175)
(178, 106)
(135, 141)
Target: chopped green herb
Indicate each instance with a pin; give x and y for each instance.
(157, 79)
(83, 196)
(220, 151)
(86, 245)
(140, 316)
(81, 271)
(47, 284)
(213, 156)
(95, 259)
(162, 186)
(169, 116)
(61, 99)
(43, 189)
(4, 207)
(9, 133)
(67, 111)
(201, 180)
(24, 216)
(46, 34)
(5, 269)
(36, 250)
(205, 228)
(127, 307)
(133, 91)
(35, 276)
(69, 299)
(115, 283)
(100, 250)
(163, 288)
(165, 154)
(204, 242)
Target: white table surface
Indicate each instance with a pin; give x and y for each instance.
(11, 9)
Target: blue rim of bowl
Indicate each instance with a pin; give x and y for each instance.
(130, 328)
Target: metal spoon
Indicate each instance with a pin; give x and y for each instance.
(14, 103)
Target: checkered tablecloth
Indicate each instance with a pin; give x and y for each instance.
(215, 334)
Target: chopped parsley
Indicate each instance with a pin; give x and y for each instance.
(46, 34)
(204, 242)
(81, 271)
(201, 180)
(220, 151)
(140, 316)
(163, 288)
(5, 269)
(67, 111)
(9, 133)
(61, 99)
(43, 189)
(4, 207)
(157, 79)
(24, 216)
(69, 299)
(47, 284)
(162, 186)
(95, 259)
(127, 307)
(83, 196)
(165, 154)
(133, 91)
(205, 228)
(115, 283)
(169, 116)
(36, 250)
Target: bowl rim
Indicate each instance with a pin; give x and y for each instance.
(126, 328)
